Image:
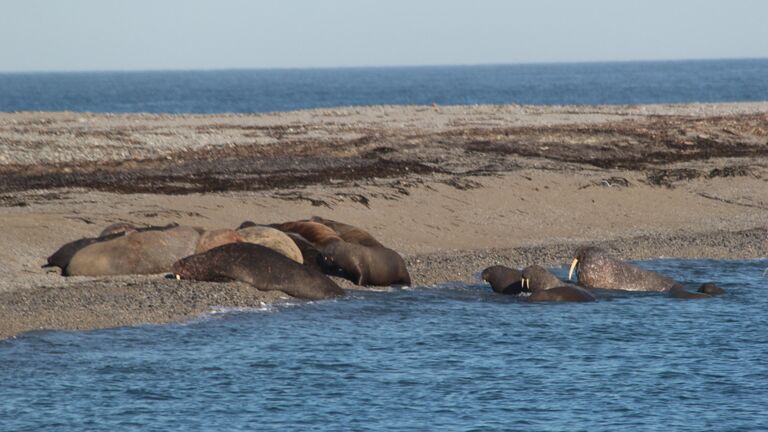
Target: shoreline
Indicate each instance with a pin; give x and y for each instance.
(454, 189)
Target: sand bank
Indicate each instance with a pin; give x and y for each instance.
(452, 188)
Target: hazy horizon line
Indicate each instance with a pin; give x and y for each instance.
(393, 66)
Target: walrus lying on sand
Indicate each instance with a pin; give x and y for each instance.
(62, 257)
(259, 266)
(594, 268)
(138, 252)
(363, 265)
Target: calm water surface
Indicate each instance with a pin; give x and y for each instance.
(452, 357)
(291, 89)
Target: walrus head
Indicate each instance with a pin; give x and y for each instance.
(536, 278)
(582, 255)
(503, 280)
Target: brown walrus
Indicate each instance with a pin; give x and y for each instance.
(259, 266)
(365, 265)
(711, 289)
(546, 287)
(215, 238)
(596, 269)
(64, 254)
(118, 228)
(349, 233)
(503, 280)
(140, 252)
(272, 238)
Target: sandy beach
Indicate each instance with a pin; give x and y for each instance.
(454, 189)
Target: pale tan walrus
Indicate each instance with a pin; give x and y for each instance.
(146, 252)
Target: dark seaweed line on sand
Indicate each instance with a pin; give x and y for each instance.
(213, 176)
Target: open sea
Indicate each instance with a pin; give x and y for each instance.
(450, 357)
(247, 91)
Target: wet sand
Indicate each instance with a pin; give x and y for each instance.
(452, 188)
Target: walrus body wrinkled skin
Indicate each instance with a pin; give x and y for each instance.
(62, 257)
(596, 269)
(259, 266)
(140, 252)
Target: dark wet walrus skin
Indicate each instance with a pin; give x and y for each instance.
(363, 265)
(563, 293)
(596, 269)
(546, 287)
(259, 266)
(503, 280)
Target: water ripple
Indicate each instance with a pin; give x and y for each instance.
(449, 357)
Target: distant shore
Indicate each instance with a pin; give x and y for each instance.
(452, 188)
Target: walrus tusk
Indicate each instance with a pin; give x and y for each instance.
(178, 276)
(525, 282)
(573, 267)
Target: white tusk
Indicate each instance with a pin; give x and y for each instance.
(573, 267)
(178, 276)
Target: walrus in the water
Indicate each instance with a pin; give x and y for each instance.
(273, 239)
(546, 287)
(711, 289)
(503, 280)
(349, 233)
(707, 290)
(141, 252)
(364, 265)
(596, 269)
(259, 266)
(64, 254)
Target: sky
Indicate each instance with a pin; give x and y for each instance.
(79, 35)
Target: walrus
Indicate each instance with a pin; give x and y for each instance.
(349, 233)
(503, 280)
(365, 265)
(546, 287)
(707, 290)
(259, 266)
(118, 228)
(64, 254)
(140, 252)
(215, 238)
(273, 239)
(711, 289)
(596, 269)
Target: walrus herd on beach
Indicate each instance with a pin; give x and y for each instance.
(298, 257)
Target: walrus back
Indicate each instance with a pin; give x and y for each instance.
(349, 233)
(143, 252)
(315, 232)
(259, 266)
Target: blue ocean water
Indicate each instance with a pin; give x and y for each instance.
(451, 357)
(284, 90)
